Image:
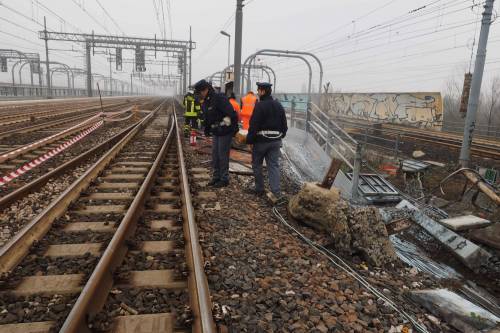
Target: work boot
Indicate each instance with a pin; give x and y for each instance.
(213, 182)
(255, 192)
(274, 198)
(222, 183)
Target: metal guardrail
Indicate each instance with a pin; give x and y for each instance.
(33, 91)
(334, 140)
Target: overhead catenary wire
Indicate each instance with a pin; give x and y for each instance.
(347, 24)
(18, 25)
(379, 30)
(369, 48)
(351, 64)
(163, 18)
(391, 23)
(91, 16)
(158, 20)
(110, 17)
(68, 59)
(169, 15)
(217, 35)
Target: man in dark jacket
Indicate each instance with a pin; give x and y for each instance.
(221, 121)
(267, 127)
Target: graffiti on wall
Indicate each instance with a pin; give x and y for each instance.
(415, 109)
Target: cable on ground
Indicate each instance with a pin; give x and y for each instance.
(338, 262)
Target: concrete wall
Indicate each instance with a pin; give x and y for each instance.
(423, 110)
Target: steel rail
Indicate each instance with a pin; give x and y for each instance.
(483, 148)
(93, 111)
(50, 112)
(18, 247)
(47, 124)
(199, 290)
(18, 151)
(39, 182)
(96, 290)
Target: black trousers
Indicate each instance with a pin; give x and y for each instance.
(221, 147)
(191, 122)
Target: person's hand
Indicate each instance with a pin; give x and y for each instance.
(226, 121)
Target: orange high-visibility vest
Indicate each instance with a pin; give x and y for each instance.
(248, 104)
(236, 105)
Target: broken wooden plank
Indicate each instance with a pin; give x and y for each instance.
(331, 173)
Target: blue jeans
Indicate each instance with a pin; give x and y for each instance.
(270, 151)
(221, 146)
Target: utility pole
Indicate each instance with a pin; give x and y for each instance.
(110, 75)
(190, 57)
(131, 86)
(89, 68)
(49, 84)
(238, 32)
(184, 75)
(477, 78)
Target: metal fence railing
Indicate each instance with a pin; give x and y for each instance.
(334, 140)
(7, 90)
(370, 135)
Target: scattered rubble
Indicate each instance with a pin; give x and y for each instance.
(418, 154)
(353, 229)
(263, 279)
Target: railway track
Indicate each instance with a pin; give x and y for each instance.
(50, 127)
(480, 147)
(22, 160)
(117, 251)
(37, 114)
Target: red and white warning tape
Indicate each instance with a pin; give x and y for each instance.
(36, 162)
(31, 145)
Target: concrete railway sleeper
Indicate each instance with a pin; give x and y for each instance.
(79, 250)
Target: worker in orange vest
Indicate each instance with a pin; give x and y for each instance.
(247, 105)
(234, 103)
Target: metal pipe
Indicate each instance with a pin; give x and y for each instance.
(255, 66)
(306, 54)
(251, 57)
(309, 85)
(13, 77)
(31, 72)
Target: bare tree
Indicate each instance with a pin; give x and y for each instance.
(492, 102)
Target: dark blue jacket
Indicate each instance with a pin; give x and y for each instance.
(268, 115)
(215, 107)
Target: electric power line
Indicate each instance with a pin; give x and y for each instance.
(110, 17)
(92, 17)
(163, 17)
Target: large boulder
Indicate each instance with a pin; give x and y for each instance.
(353, 229)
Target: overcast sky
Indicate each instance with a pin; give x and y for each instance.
(365, 45)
